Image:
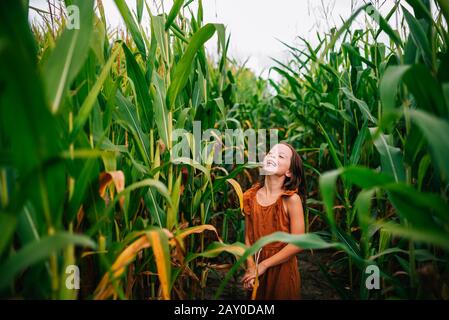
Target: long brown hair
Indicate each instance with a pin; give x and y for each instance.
(297, 179)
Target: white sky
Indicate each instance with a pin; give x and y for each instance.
(255, 24)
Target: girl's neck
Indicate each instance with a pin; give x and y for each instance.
(274, 184)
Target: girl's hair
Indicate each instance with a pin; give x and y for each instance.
(297, 180)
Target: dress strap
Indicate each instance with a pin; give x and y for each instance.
(285, 193)
(290, 192)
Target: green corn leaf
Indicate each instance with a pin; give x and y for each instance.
(422, 85)
(184, 66)
(327, 189)
(391, 157)
(383, 24)
(158, 215)
(417, 234)
(37, 251)
(30, 134)
(67, 58)
(139, 7)
(132, 26)
(358, 145)
(333, 151)
(444, 5)
(435, 131)
(145, 107)
(364, 109)
(172, 213)
(304, 241)
(294, 85)
(157, 28)
(160, 109)
(419, 36)
(173, 13)
(8, 224)
(87, 176)
(126, 115)
(426, 212)
(89, 102)
(363, 209)
(150, 183)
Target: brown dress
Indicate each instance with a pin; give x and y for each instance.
(280, 282)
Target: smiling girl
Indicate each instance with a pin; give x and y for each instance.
(276, 203)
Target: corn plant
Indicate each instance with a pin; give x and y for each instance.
(372, 119)
(87, 177)
(87, 117)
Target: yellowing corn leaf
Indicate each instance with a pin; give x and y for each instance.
(239, 191)
(197, 229)
(105, 288)
(161, 252)
(255, 287)
(216, 248)
(116, 177)
(156, 238)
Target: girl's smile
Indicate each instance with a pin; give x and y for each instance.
(278, 160)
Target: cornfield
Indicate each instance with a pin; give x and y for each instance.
(87, 177)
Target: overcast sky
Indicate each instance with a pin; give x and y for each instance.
(255, 25)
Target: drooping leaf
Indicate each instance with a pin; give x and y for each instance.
(435, 130)
(390, 156)
(304, 241)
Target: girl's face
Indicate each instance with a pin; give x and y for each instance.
(278, 161)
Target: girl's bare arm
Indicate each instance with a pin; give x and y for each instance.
(296, 214)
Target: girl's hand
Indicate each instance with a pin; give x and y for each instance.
(250, 275)
(247, 285)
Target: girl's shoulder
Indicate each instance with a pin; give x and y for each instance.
(291, 198)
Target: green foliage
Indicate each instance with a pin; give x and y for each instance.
(86, 174)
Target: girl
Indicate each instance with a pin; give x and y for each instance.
(273, 204)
